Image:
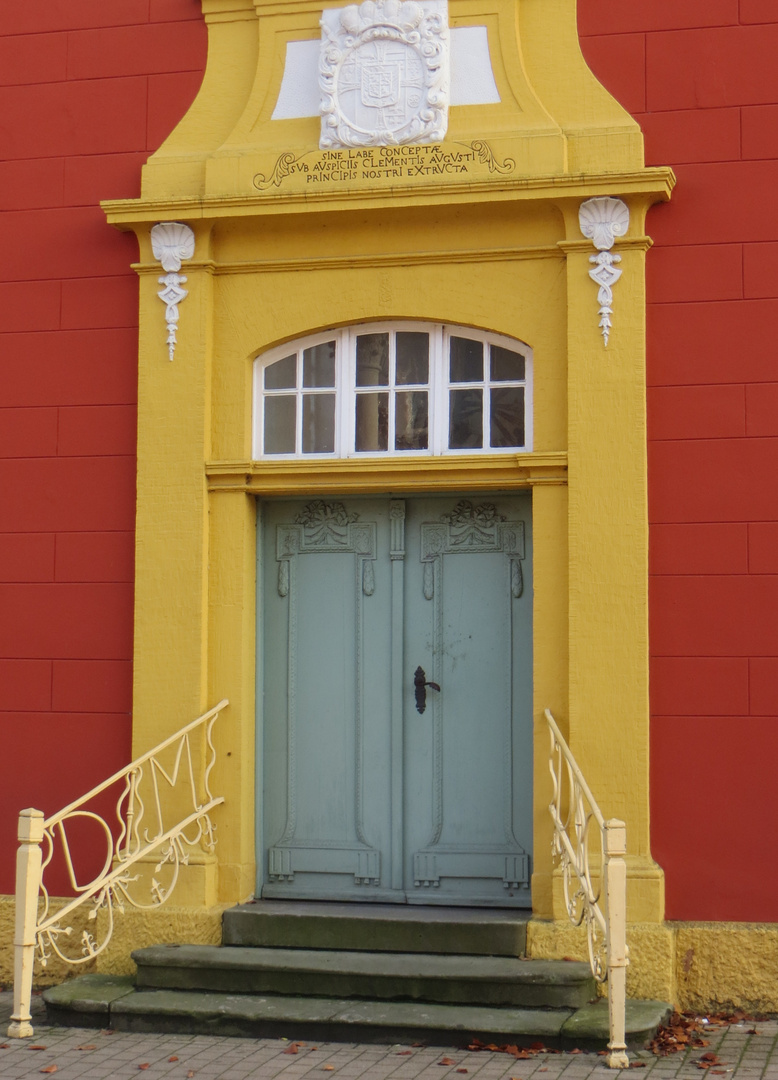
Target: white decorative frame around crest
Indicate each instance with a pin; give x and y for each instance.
(384, 73)
(601, 221)
(172, 243)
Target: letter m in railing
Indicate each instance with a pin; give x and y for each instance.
(161, 814)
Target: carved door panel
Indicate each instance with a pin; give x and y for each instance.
(365, 797)
(325, 608)
(468, 756)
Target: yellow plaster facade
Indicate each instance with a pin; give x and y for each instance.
(497, 246)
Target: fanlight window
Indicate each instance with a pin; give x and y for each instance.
(408, 388)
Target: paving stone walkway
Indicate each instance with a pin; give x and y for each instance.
(101, 1055)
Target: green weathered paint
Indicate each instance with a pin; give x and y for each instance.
(364, 797)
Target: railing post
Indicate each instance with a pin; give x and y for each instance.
(28, 879)
(615, 869)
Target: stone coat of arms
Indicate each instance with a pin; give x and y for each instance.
(384, 73)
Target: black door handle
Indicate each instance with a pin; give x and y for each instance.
(420, 683)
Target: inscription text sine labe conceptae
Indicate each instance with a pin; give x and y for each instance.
(395, 163)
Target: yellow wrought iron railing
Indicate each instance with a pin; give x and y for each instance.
(150, 827)
(597, 900)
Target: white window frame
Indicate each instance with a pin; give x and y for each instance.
(346, 391)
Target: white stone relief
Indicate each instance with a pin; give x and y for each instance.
(384, 73)
(471, 77)
(172, 243)
(601, 221)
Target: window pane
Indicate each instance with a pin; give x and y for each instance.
(507, 366)
(466, 422)
(282, 375)
(373, 360)
(280, 424)
(372, 422)
(467, 360)
(507, 420)
(319, 365)
(410, 420)
(413, 358)
(318, 423)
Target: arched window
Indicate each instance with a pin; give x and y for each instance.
(399, 388)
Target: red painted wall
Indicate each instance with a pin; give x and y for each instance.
(87, 91)
(700, 78)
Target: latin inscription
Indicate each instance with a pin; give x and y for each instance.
(395, 163)
(376, 162)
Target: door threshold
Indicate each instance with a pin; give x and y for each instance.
(455, 913)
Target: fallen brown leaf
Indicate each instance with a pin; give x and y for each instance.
(173, 1058)
(328, 1068)
(752, 1031)
(461, 1070)
(190, 1074)
(36, 1047)
(4, 1046)
(89, 1046)
(576, 1051)
(719, 1072)
(684, 1030)
(521, 1053)
(293, 1048)
(49, 1069)
(708, 1060)
(447, 1061)
(145, 1065)
(637, 1064)
(404, 1053)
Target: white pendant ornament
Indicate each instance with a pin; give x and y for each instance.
(601, 221)
(384, 73)
(171, 243)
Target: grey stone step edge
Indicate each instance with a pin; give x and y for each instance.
(494, 981)
(106, 1001)
(376, 928)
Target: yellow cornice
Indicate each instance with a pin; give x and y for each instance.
(656, 184)
(384, 259)
(452, 255)
(627, 243)
(484, 472)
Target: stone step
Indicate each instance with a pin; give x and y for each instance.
(385, 976)
(296, 924)
(107, 1001)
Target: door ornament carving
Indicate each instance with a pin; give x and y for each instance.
(468, 528)
(323, 527)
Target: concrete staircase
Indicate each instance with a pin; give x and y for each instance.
(367, 972)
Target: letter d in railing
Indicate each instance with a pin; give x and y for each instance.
(28, 880)
(615, 837)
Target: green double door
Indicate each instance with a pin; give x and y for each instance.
(396, 699)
